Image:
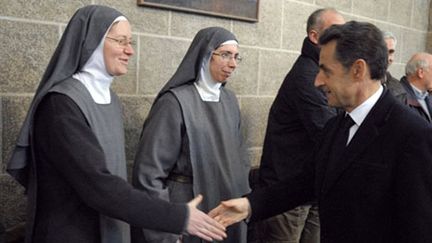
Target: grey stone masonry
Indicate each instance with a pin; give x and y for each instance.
(30, 31)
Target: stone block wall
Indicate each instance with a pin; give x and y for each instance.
(30, 30)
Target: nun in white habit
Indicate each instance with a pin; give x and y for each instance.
(191, 141)
(70, 153)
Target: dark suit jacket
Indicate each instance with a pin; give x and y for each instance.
(380, 191)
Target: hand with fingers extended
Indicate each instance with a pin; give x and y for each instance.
(231, 211)
(202, 225)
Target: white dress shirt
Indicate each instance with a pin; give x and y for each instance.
(360, 112)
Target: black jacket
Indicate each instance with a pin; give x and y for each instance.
(296, 117)
(393, 85)
(408, 98)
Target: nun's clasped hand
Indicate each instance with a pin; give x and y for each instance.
(202, 225)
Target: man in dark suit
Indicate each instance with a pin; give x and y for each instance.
(372, 183)
(417, 83)
(297, 114)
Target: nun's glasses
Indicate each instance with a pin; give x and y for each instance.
(227, 56)
(123, 42)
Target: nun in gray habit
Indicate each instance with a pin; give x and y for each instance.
(191, 141)
(70, 152)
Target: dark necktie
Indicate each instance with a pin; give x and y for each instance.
(339, 144)
(347, 123)
(341, 137)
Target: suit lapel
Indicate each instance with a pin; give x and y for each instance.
(364, 137)
(323, 153)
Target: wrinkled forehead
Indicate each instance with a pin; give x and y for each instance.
(327, 53)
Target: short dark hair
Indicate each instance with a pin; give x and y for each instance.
(358, 40)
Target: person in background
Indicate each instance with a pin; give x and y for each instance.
(297, 115)
(389, 81)
(191, 142)
(417, 85)
(372, 171)
(70, 153)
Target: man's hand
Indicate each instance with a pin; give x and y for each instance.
(201, 225)
(231, 211)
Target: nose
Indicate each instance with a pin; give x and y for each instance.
(319, 80)
(232, 62)
(129, 50)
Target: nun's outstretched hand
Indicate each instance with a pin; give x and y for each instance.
(201, 225)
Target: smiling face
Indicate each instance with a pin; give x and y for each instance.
(335, 80)
(221, 68)
(116, 55)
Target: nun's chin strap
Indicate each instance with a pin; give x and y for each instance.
(208, 89)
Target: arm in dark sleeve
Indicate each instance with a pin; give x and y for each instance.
(412, 189)
(285, 195)
(63, 137)
(158, 151)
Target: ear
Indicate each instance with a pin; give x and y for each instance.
(359, 69)
(420, 73)
(313, 36)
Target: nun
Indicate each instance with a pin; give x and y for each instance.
(70, 152)
(191, 142)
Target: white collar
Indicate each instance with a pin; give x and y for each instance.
(360, 112)
(94, 74)
(208, 89)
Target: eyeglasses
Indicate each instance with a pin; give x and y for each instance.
(123, 42)
(227, 56)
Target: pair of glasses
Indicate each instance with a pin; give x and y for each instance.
(227, 56)
(123, 42)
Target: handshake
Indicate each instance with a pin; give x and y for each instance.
(212, 226)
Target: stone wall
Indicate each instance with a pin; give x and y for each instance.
(30, 30)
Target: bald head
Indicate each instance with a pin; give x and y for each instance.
(418, 71)
(320, 20)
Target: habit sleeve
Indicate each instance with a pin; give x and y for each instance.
(64, 140)
(159, 148)
(157, 155)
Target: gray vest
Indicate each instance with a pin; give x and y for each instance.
(107, 124)
(218, 156)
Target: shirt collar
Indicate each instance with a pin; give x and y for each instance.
(360, 112)
(421, 95)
